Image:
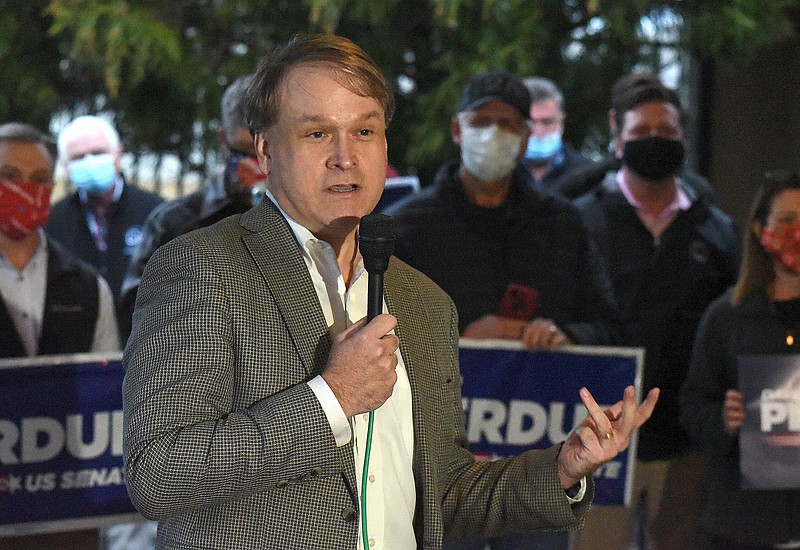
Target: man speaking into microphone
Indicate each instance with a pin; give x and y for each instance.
(253, 375)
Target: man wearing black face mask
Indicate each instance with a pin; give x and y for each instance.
(585, 179)
(670, 253)
(235, 189)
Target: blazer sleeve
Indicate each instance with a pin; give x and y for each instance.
(521, 493)
(190, 442)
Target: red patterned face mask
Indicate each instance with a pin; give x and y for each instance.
(784, 244)
(244, 170)
(24, 207)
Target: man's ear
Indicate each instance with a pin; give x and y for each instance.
(118, 159)
(756, 228)
(619, 147)
(223, 143)
(612, 122)
(455, 131)
(262, 152)
(616, 141)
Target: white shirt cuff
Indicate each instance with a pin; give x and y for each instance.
(333, 410)
(580, 494)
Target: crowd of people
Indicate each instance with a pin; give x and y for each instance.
(254, 381)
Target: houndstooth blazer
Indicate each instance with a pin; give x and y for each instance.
(226, 445)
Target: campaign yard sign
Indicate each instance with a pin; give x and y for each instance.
(769, 440)
(61, 444)
(516, 400)
(61, 425)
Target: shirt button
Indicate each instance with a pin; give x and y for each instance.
(365, 417)
(371, 543)
(372, 478)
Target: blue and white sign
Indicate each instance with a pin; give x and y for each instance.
(516, 400)
(769, 440)
(61, 444)
(61, 425)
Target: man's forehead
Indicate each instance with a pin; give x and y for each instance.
(655, 108)
(496, 108)
(547, 104)
(297, 107)
(88, 138)
(340, 78)
(23, 153)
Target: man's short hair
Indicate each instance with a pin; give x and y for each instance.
(25, 133)
(638, 88)
(232, 108)
(350, 65)
(542, 89)
(83, 123)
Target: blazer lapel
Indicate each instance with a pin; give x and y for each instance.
(277, 254)
(419, 354)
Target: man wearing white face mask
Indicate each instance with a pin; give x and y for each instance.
(549, 159)
(102, 221)
(516, 262)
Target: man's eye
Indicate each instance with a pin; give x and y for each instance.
(316, 135)
(365, 132)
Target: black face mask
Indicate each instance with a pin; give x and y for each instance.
(654, 157)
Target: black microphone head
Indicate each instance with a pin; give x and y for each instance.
(376, 241)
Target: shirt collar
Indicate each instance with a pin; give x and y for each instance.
(681, 200)
(305, 237)
(300, 233)
(41, 251)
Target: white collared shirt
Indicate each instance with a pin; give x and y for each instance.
(391, 492)
(98, 233)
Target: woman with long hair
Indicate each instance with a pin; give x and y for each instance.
(759, 316)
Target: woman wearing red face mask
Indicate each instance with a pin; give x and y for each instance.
(760, 315)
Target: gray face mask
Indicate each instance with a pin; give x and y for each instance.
(489, 153)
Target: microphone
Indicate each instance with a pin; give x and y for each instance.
(376, 242)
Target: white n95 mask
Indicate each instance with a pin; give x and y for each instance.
(489, 153)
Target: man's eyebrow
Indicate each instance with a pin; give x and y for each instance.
(322, 119)
(371, 115)
(9, 169)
